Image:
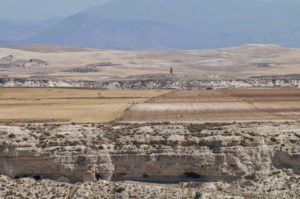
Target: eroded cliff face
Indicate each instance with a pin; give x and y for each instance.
(164, 83)
(206, 154)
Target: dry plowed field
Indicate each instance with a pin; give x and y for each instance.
(219, 105)
(54, 105)
(45, 105)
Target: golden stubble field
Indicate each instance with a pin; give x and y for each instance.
(62, 105)
(219, 105)
(56, 105)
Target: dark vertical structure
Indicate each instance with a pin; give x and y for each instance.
(171, 71)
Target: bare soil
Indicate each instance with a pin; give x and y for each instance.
(219, 105)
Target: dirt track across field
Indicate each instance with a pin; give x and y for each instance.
(220, 105)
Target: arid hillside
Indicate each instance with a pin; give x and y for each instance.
(88, 64)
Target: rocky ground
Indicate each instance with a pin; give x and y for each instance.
(157, 82)
(153, 160)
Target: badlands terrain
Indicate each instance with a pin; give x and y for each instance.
(86, 123)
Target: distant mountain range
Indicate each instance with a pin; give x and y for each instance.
(12, 31)
(167, 24)
(85, 30)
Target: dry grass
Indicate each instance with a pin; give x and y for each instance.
(56, 93)
(68, 105)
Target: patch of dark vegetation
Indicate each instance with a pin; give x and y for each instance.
(11, 136)
(293, 141)
(250, 177)
(59, 136)
(83, 70)
(38, 61)
(197, 195)
(81, 160)
(90, 68)
(113, 135)
(120, 189)
(194, 128)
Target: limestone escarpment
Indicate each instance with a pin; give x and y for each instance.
(156, 83)
(212, 158)
(173, 152)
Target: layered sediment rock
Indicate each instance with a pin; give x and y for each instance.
(208, 154)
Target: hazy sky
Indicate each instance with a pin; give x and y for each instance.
(34, 10)
(43, 9)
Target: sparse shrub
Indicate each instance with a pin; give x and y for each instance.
(60, 136)
(120, 189)
(219, 188)
(250, 177)
(9, 193)
(199, 127)
(11, 136)
(197, 195)
(293, 141)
